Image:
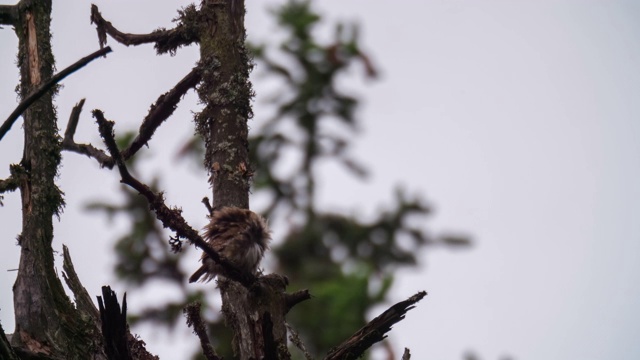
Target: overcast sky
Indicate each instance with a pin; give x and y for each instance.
(517, 120)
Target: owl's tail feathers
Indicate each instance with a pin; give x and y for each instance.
(198, 274)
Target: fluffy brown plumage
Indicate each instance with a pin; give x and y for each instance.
(239, 235)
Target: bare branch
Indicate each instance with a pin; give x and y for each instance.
(160, 111)
(294, 337)
(166, 40)
(7, 14)
(374, 331)
(86, 149)
(170, 218)
(192, 312)
(42, 89)
(295, 298)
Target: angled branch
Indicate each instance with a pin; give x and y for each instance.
(24, 104)
(192, 312)
(164, 106)
(161, 110)
(165, 40)
(374, 331)
(8, 14)
(86, 149)
(170, 218)
(295, 298)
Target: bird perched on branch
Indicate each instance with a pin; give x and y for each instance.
(239, 235)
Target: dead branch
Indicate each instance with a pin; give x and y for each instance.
(170, 218)
(406, 355)
(166, 40)
(161, 110)
(374, 331)
(86, 149)
(164, 106)
(8, 184)
(42, 89)
(7, 14)
(192, 312)
(295, 298)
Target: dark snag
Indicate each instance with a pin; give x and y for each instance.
(114, 325)
(170, 218)
(406, 355)
(192, 312)
(374, 331)
(48, 85)
(159, 112)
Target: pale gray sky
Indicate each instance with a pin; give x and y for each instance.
(516, 119)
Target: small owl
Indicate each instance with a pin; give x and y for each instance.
(239, 235)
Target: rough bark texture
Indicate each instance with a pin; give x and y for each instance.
(255, 315)
(227, 93)
(46, 322)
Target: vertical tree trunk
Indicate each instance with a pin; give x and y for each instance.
(256, 316)
(227, 93)
(46, 321)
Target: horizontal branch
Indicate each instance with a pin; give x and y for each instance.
(42, 89)
(295, 298)
(7, 14)
(166, 40)
(8, 184)
(374, 331)
(170, 218)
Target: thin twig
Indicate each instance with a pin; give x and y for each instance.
(42, 89)
(294, 337)
(170, 218)
(192, 312)
(374, 331)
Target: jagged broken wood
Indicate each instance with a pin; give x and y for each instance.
(374, 331)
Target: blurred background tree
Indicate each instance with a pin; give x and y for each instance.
(345, 261)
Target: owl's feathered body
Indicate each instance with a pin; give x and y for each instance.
(239, 235)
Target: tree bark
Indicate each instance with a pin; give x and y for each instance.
(255, 315)
(47, 325)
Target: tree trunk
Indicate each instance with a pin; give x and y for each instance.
(256, 315)
(46, 322)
